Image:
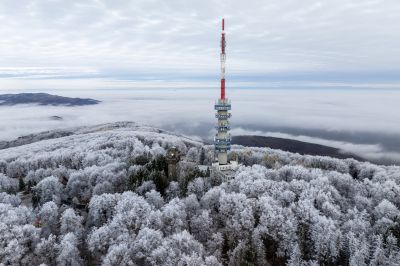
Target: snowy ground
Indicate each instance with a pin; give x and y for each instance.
(280, 208)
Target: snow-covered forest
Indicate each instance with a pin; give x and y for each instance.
(99, 197)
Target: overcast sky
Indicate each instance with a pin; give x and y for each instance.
(332, 41)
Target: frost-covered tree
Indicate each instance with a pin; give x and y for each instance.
(17, 168)
(173, 249)
(101, 188)
(378, 256)
(154, 198)
(17, 237)
(13, 200)
(101, 208)
(48, 218)
(198, 187)
(359, 250)
(46, 250)
(9, 185)
(78, 186)
(193, 155)
(237, 213)
(172, 190)
(145, 243)
(279, 208)
(202, 226)
(145, 187)
(173, 217)
(118, 255)
(386, 209)
(131, 212)
(68, 252)
(295, 257)
(70, 222)
(49, 189)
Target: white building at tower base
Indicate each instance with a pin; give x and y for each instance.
(232, 165)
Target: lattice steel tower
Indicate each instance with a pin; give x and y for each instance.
(222, 139)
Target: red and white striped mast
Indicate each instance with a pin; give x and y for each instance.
(223, 58)
(222, 141)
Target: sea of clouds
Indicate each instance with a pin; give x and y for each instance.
(362, 121)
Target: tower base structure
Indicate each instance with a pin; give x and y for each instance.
(231, 166)
(225, 171)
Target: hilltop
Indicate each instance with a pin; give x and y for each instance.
(98, 195)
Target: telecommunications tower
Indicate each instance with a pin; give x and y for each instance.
(222, 139)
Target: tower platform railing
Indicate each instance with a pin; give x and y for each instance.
(223, 117)
(222, 141)
(222, 148)
(223, 128)
(223, 105)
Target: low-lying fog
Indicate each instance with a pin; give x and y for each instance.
(362, 121)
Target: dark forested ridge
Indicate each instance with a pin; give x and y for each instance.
(43, 99)
(102, 196)
(292, 145)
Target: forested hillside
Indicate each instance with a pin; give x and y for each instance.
(98, 197)
(43, 99)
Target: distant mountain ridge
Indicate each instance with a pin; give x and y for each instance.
(43, 99)
(294, 146)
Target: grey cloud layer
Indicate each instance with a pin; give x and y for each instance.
(182, 36)
(356, 120)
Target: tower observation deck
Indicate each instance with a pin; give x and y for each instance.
(222, 140)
